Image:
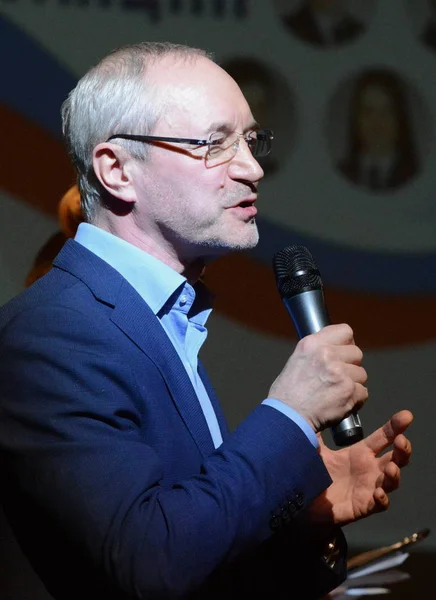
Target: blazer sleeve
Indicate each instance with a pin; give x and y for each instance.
(81, 476)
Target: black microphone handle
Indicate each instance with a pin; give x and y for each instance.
(309, 314)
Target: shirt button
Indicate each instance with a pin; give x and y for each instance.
(183, 300)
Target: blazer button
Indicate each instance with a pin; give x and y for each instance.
(299, 498)
(274, 522)
(285, 515)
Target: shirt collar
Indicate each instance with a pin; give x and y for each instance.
(154, 281)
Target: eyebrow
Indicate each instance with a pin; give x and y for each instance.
(226, 128)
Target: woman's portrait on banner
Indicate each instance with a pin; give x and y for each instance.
(380, 149)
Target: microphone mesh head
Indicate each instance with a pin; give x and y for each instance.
(296, 271)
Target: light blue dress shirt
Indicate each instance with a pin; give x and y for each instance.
(181, 312)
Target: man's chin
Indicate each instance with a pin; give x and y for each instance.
(219, 250)
(239, 248)
(245, 242)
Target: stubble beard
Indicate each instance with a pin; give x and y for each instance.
(223, 244)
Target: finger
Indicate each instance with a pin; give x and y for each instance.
(322, 445)
(337, 334)
(400, 454)
(385, 460)
(383, 437)
(356, 373)
(389, 480)
(360, 396)
(402, 451)
(350, 354)
(381, 500)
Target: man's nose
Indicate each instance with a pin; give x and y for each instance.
(244, 165)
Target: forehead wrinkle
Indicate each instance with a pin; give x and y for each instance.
(177, 112)
(176, 85)
(190, 98)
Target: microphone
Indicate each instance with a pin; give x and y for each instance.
(300, 286)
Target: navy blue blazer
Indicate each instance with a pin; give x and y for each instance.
(110, 479)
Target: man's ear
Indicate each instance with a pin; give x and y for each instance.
(111, 166)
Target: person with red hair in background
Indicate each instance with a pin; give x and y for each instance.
(69, 218)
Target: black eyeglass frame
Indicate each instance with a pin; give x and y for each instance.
(262, 135)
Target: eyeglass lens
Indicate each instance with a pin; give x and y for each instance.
(223, 147)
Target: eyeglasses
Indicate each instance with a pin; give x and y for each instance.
(221, 147)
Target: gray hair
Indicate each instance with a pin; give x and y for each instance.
(114, 97)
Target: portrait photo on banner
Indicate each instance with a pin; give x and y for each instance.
(272, 102)
(326, 23)
(378, 130)
(422, 16)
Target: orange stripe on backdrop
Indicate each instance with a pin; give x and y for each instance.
(246, 292)
(34, 166)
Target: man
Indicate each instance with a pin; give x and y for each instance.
(122, 480)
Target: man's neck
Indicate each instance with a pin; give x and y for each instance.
(191, 269)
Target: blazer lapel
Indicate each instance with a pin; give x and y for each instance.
(214, 401)
(134, 317)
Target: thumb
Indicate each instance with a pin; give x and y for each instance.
(383, 437)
